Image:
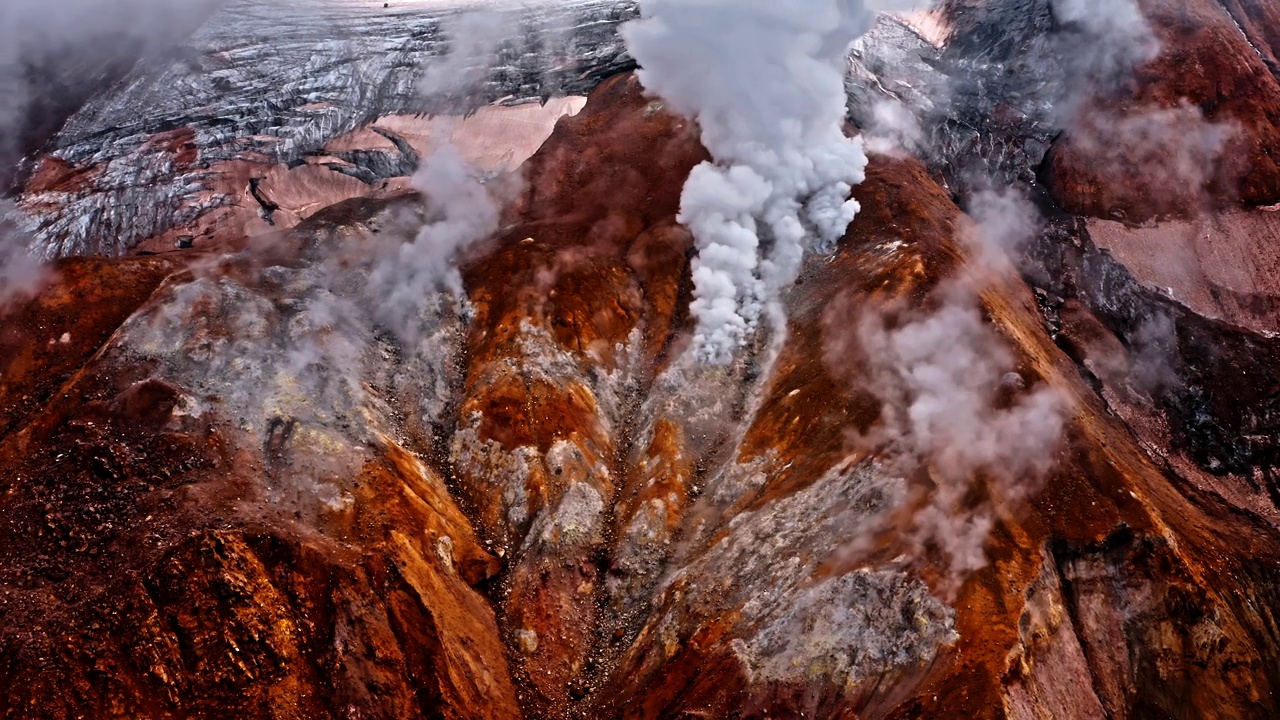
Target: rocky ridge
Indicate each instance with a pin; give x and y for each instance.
(268, 85)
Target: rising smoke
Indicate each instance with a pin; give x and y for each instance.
(409, 281)
(893, 130)
(474, 41)
(1104, 40)
(20, 272)
(54, 54)
(953, 404)
(765, 80)
(1153, 160)
(770, 100)
(1006, 220)
(958, 413)
(409, 278)
(971, 429)
(1139, 154)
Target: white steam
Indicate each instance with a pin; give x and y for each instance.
(893, 130)
(765, 80)
(1177, 150)
(1119, 36)
(959, 417)
(1006, 221)
(20, 271)
(49, 46)
(953, 404)
(474, 40)
(408, 279)
(941, 375)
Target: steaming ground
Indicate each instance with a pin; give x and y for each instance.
(771, 105)
(20, 271)
(701, 523)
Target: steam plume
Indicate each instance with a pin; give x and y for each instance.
(960, 417)
(407, 281)
(475, 39)
(765, 80)
(940, 375)
(20, 272)
(54, 54)
(1110, 38)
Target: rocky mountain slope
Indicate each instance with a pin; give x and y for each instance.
(264, 88)
(245, 479)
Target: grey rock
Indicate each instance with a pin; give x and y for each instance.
(270, 82)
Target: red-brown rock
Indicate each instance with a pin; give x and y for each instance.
(221, 501)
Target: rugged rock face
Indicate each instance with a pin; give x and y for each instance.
(198, 524)
(231, 486)
(1170, 255)
(57, 57)
(264, 91)
(1193, 129)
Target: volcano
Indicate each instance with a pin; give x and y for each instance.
(350, 370)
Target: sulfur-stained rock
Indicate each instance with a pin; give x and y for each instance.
(233, 484)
